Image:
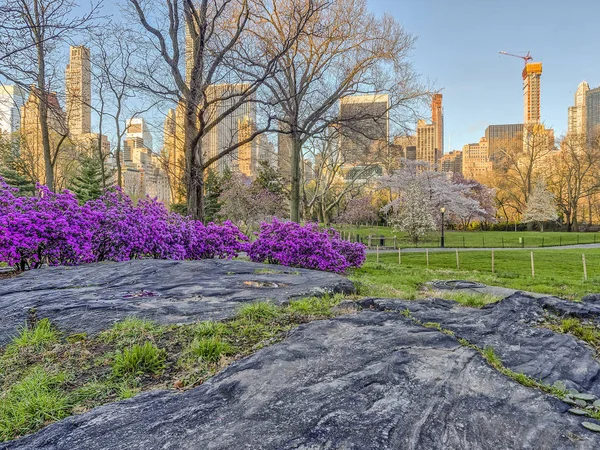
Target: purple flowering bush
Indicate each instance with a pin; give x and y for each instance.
(291, 244)
(54, 229)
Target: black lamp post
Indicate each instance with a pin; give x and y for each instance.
(442, 210)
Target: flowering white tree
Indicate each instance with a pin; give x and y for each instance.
(463, 200)
(541, 206)
(411, 212)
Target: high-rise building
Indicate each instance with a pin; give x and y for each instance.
(138, 128)
(592, 111)
(577, 121)
(426, 149)
(31, 132)
(235, 127)
(364, 127)
(532, 74)
(78, 85)
(501, 137)
(437, 118)
(475, 160)
(173, 150)
(284, 151)
(452, 162)
(12, 99)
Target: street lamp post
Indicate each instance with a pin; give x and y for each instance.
(442, 210)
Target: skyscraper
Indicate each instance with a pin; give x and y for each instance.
(476, 160)
(12, 99)
(451, 162)
(364, 127)
(426, 149)
(577, 122)
(78, 84)
(138, 128)
(592, 111)
(532, 74)
(233, 127)
(500, 137)
(437, 118)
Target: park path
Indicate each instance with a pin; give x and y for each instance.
(479, 249)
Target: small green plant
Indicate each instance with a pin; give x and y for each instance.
(435, 325)
(569, 324)
(259, 311)
(210, 349)
(210, 328)
(470, 300)
(38, 337)
(490, 355)
(406, 312)
(130, 331)
(139, 360)
(464, 342)
(315, 306)
(27, 405)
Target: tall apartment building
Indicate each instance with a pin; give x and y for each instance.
(500, 137)
(138, 128)
(437, 119)
(426, 143)
(475, 160)
(31, 133)
(592, 120)
(451, 162)
(577, 116)
(235, 127)
(173, 150)
(78, 86)
(12, 99)
(364, 127)
(532, 74)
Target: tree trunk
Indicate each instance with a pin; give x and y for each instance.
(194, 169)
(295, 176)
(43, 112)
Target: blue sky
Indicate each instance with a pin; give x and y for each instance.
(458, 44)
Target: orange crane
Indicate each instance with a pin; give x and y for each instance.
(527, 57)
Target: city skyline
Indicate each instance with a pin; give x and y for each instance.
(458, 48)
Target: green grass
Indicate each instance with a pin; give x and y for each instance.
(557, 272)
(210, 349)
(72, 374)
(139, 360)
(32, 402)
(39, 337)
(473, 239)
(587, 332)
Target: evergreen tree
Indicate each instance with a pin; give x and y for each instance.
(9, 168)
(88, 184)
(269, 178)
(213, 187)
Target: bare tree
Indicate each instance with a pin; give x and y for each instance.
(31, 31)
(574, 175)
(221, 68)
(344, 50)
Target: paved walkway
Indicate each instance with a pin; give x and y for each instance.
(479, 249)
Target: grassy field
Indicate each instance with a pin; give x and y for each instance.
(475, 239)
(557, 272)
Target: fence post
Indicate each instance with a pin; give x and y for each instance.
(369, 241)
(532, 267)
(457, 262)
(493, 261)
(482, 241)
(584, 267)
(427, 256)
(378, 253)
(394, 241)
(560, 241)
(577, 239)
(502, 241)
(542, 241)
(463, 242)
(399, 255)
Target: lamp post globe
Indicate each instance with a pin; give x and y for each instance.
(442, 210)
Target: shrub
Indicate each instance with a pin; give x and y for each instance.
(138, 360)
(291, 244)
(54, 229)
(210, 349)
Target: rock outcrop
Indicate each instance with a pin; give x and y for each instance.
(370, 380)
(90, 298)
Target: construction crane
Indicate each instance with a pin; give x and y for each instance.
(526, 58)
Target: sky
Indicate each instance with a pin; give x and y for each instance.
(458, 45)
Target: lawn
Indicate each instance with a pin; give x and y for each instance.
(557, 272)
(471, 239)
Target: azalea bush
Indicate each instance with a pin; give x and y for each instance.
(54, 229)
(291, 244)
